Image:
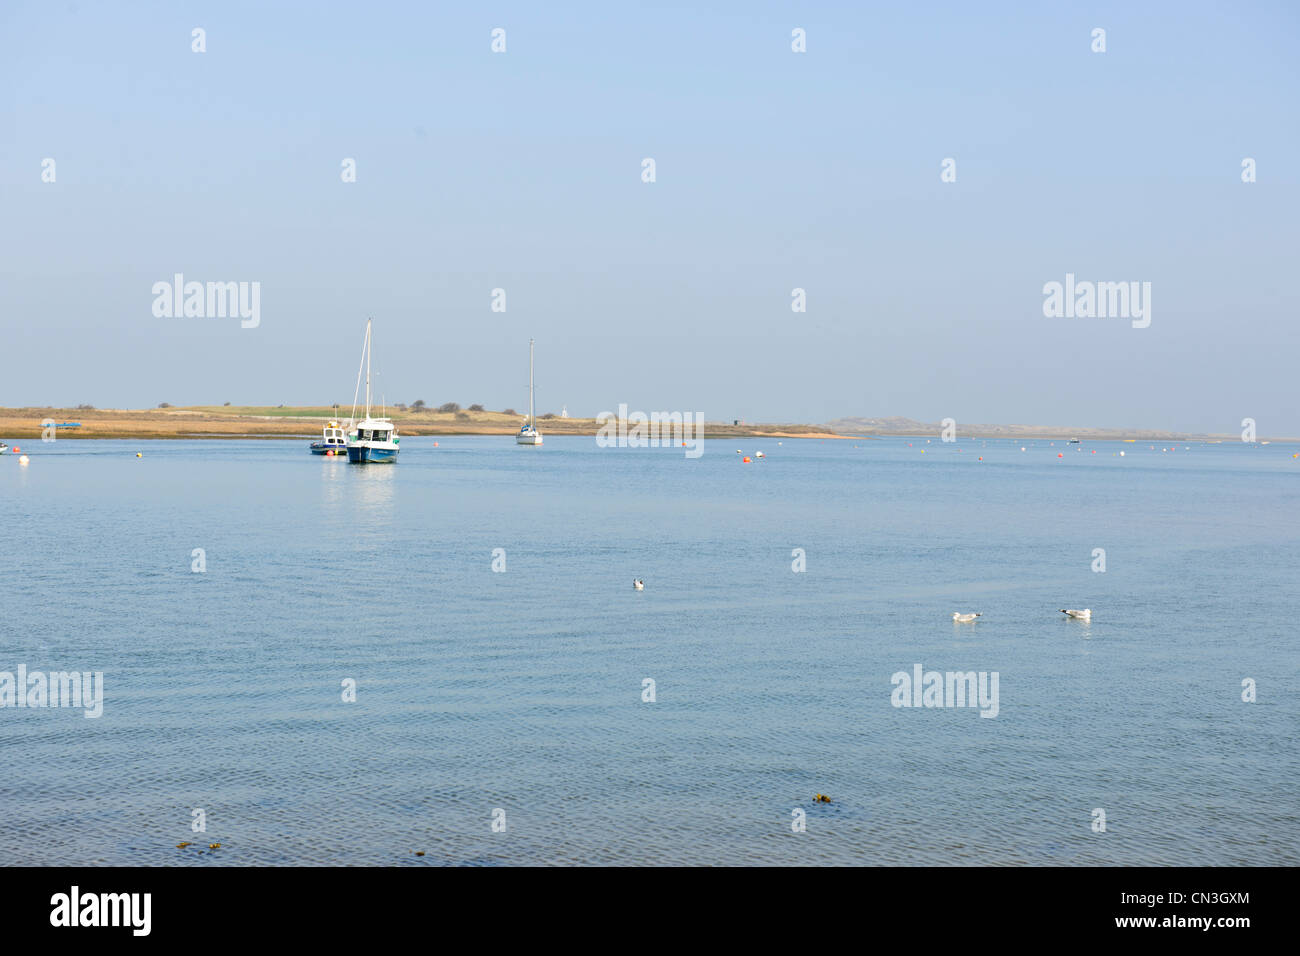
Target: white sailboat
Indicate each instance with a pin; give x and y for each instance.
(529, 435)
(375, 440)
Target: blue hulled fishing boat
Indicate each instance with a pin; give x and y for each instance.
(333, 443)
(375, 441)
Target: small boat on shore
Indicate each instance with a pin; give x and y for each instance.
(334, 442)
(375, 440)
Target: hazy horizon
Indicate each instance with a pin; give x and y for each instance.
(775, 170)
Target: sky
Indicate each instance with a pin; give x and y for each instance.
(774, 170)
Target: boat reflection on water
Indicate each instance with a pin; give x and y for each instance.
(334, 484)
(360, 496)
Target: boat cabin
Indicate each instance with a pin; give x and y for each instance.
(375, 430)
(335, 436)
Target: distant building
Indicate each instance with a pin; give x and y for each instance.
(737, 421)
(564, 411)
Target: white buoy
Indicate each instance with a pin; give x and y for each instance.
(1121, 454)
(22, 459)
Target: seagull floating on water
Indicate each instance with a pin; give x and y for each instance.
(964, 618)
(1084, 615)
(638, 584)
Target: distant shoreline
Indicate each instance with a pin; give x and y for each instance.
(304, 422)
(250, 422)
(910, 428)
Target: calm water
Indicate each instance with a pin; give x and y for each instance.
(522, 690)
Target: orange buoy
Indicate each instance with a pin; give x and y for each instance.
(1059, 455)
(745, 459)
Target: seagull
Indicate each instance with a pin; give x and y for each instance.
(638, 584)
(1084, 615)
(964, 618)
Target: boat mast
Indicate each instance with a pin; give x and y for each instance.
(532, 412)
(368, 368)
(356, 392)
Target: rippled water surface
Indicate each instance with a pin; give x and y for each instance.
(522, 690)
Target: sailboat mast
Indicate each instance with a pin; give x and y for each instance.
(532, 412)
(368, 368)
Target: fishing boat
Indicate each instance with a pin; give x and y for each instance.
(375, 440)
(528, 434)
(334, 442)
(3, 448)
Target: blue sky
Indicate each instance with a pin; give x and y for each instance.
(775, 170)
